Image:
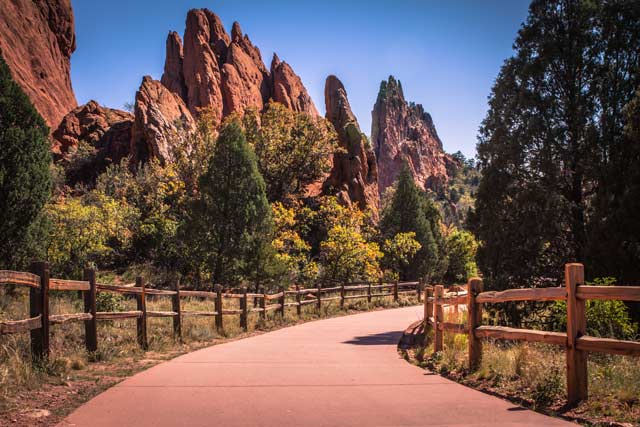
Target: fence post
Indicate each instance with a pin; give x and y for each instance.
(244, 307)
(283, 299)
(299, 301)
(39, 306)
(438, 317)
(369, 293)
(177, 319)
(577, 380)
(395, 291)
(218, 305)
(428, 306)
(342, 295)
(142, 320)
(263, 304)
(319, 297)
(419, 290)
(91, 325)
(475, 320)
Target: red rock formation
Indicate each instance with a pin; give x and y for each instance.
(405, 132)
(160, 116)
(173, 77)
(201, 69)
(37, 39)
(288, 88)
(106, 130)
(354, 176)
(226, 73)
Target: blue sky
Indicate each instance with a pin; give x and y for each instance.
(447, 54)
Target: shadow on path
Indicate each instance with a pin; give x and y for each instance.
(383, 338)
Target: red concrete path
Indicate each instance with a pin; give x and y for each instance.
(336, 372)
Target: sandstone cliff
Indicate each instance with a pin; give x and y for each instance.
(37, 39)
(226, 73)
(354, 176)
(403, 131)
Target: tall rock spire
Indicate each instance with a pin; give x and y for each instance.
(354, 176)
(226, 73)
(404, 132)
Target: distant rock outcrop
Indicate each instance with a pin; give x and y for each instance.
(226, 73)
(354, 176)
(160, 115)
(107, 131)
(402, 132)
(37, 39)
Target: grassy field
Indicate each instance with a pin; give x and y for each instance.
(534, 375)
(44, 394)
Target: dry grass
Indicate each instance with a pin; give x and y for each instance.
(72, 376)
(534, 375)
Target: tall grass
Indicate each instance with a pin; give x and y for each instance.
(535, 374)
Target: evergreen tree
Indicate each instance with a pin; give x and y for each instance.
(25, 181)
(232, 217)
(411, 211)
(549, 146)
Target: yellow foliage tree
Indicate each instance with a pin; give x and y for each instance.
(347, 253)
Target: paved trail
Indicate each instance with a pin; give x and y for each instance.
(336, 372)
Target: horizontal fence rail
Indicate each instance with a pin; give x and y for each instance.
(575, 340)
(40, 285)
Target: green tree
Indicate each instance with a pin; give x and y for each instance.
(92, 229)
(461, 252)
(400, 250)
(293, 148)
(231, 221)
(25, 181)
(411, 210)
(552, 148)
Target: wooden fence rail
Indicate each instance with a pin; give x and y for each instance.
(575, 340)
(40, 285)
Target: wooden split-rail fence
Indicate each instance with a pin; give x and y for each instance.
(575, 340)
(40, 284)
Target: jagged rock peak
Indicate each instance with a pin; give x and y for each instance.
(354, 175)
(37, 39)
(160, 117)
(337, 103)
(289, 90)
(391, 89)
(227, 74)
(173, 77)
(236, 32)
(404, 132)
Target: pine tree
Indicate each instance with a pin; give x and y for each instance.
(552, 144)
(411, 211)
(232, 217)
(25, 182)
